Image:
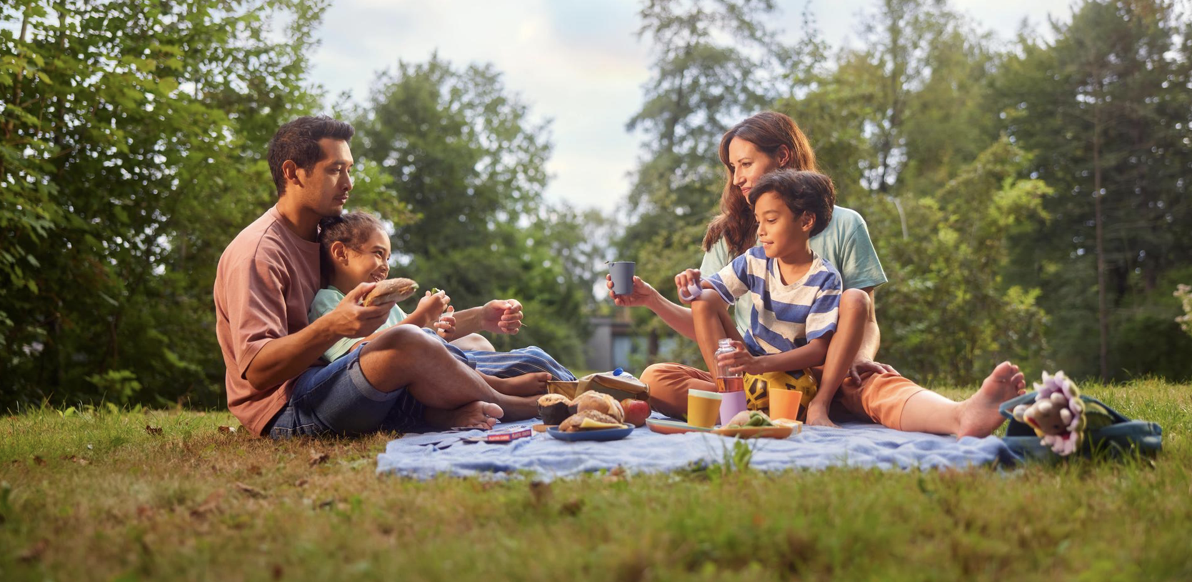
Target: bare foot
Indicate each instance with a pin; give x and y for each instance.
(524, 385)
(482, 415)
(978, 415)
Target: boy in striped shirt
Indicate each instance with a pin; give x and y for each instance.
(795, 292)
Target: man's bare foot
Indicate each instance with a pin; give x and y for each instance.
(978, 415)
(524, 385)
(481, 415)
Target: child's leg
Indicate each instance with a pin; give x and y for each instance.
(474, 342)
(853, 314)
(712, 324)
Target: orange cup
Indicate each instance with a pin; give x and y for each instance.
(703, 408)
(785, 403)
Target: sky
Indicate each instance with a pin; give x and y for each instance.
(576, 63)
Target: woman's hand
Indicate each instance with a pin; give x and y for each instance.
(740, 360)
(641, 294)
(863, 368)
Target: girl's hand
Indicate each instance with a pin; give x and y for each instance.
(740, 360)
(687, 281)
(431, 305)
(502, 316)
(640, 295)
(445, 326)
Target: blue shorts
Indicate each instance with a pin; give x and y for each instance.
(338, 399)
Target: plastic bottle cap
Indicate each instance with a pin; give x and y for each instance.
(618, 372)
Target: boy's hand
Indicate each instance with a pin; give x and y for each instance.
(641, 293)
(817, 415)
(684, 282)
(351, 319)
(445, 326)
(740, 360)
(501, 316)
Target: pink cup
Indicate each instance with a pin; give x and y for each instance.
(730, 404)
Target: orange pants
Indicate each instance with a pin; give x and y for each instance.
(880, 397)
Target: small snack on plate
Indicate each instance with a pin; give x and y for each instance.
(554, 408)
(391, 290)
(602, 403)
(636, 411)
(785, 422)
(749, 418)
(589, 420)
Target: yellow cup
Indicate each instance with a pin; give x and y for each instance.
(785, 403)
(703, 408)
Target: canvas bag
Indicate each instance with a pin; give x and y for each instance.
(1123, 437)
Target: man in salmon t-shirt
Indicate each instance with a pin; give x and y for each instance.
(277, 385)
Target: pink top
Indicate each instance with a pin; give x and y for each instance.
(266, 280)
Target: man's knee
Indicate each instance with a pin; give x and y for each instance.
(403, 338)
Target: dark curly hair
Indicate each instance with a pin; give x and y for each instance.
(298, 140)
(802, 192)
(350, 228)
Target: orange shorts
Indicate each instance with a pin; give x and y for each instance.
(880, 397)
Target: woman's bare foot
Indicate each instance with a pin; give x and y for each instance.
(524, 385)
(978, 415)
(481, 415)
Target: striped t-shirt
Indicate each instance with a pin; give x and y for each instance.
(785, 316)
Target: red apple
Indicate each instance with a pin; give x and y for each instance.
(636, 411)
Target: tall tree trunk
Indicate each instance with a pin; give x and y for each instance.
(1102, 311)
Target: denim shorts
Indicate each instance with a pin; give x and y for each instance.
(338, 400)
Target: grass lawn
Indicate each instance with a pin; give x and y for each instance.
(96, 496)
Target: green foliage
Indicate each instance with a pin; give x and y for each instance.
(133, 141)
(1110, 96)
(466, 157)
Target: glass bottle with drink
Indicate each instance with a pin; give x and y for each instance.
(727, 381)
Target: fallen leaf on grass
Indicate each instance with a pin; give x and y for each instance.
(227, 429)
(572, 507)
(34, 551)
(617, 474)
(40, 461)
(153, 430)
(317, 458)
(250, 490)
(208, 505)
(327, 504)
(539, 492)
(76, 459)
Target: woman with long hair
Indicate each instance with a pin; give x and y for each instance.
(751, 149)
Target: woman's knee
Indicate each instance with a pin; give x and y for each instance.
(854, 301)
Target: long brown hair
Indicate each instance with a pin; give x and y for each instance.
(769, 131)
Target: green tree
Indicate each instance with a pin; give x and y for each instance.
(1107, 106)
(470, 162)
(133, 138)
(714, 63)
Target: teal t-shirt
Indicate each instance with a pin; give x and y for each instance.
(325, 301)
(845, 243)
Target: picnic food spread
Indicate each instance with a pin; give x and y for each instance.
(391, 291)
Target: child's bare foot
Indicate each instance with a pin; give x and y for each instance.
(481, 415)
(978, 415)
(524, 385)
